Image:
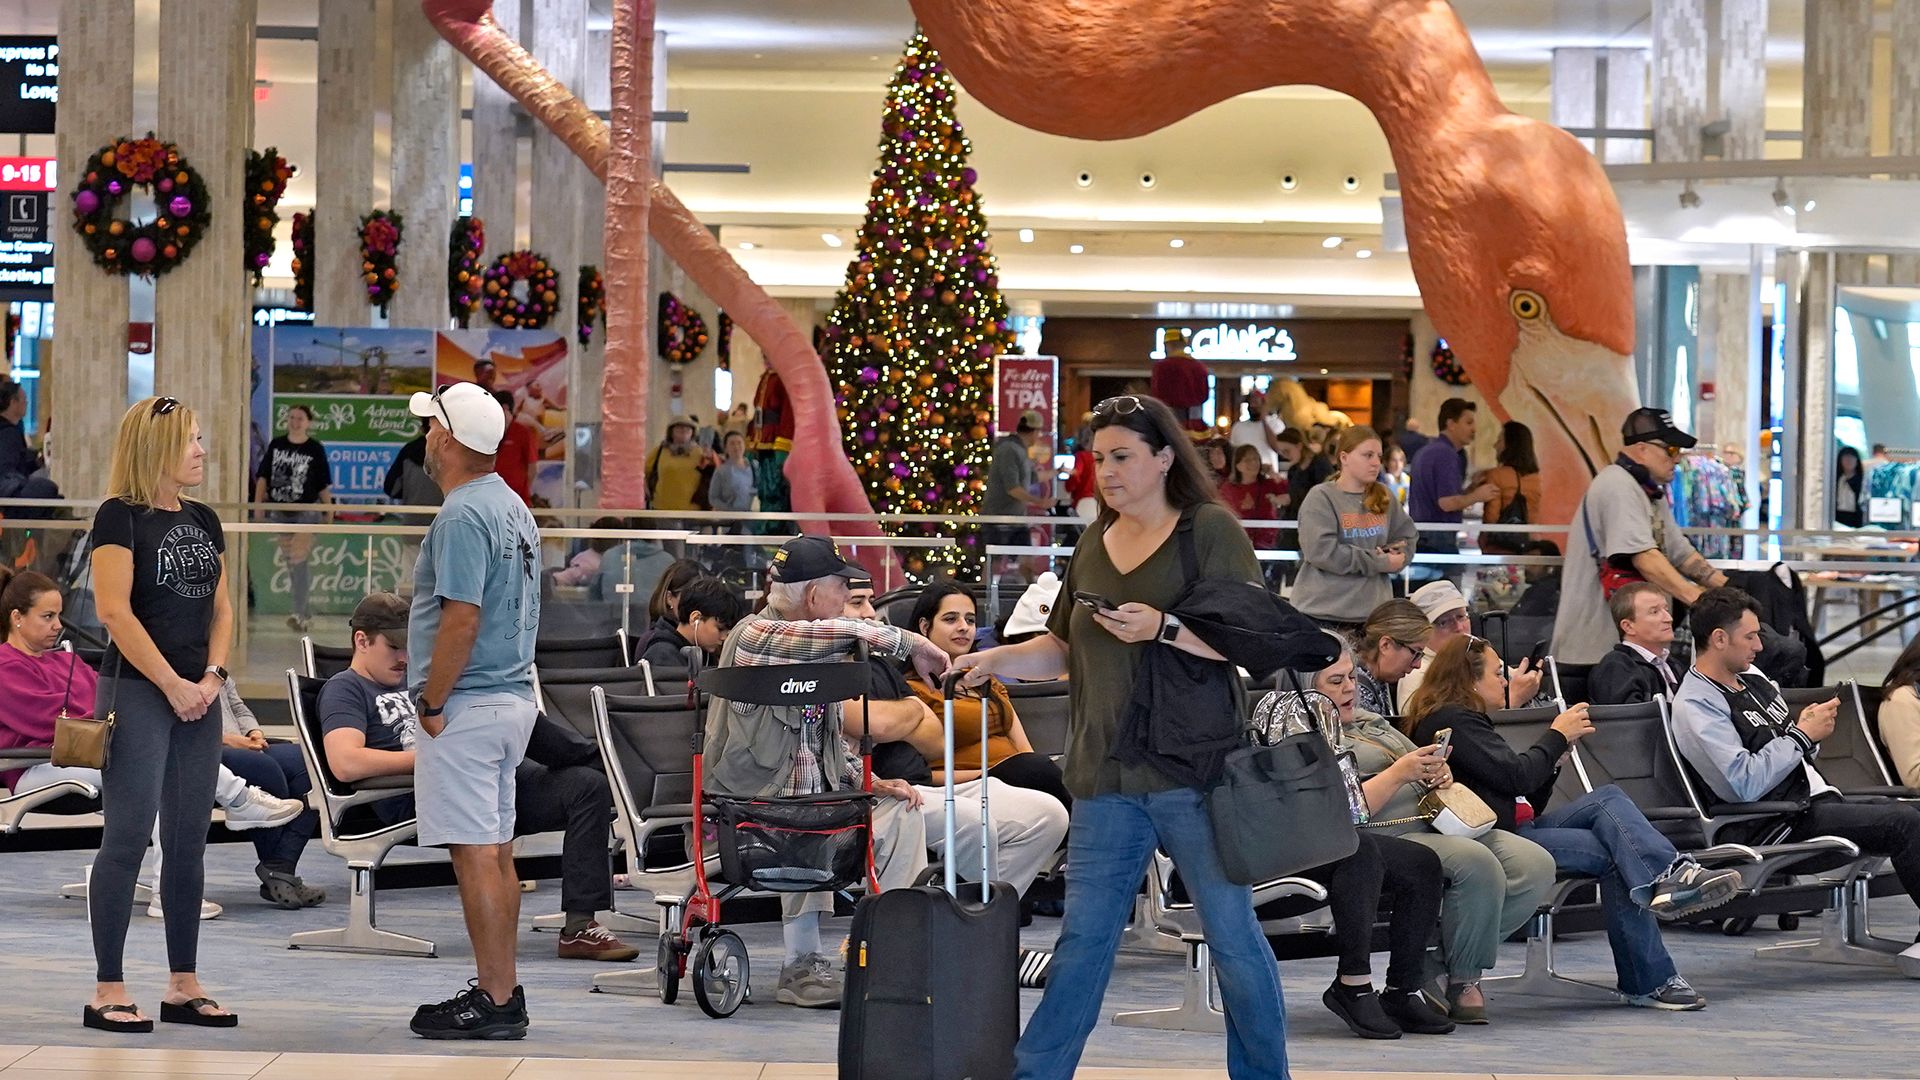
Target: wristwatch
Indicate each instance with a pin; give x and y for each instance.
(1169, 628)
(430, 710)
(219, 672)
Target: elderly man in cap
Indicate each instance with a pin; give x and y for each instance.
(1444, 607)
(470, 632)
(785, 750)
(1624, 532)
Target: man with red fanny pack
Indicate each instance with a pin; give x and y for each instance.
(1624, 532)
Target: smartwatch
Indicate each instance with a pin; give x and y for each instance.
(1169, 628)
(431, 710)
(218, 671)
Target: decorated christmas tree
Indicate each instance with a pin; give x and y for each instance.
(911, 340)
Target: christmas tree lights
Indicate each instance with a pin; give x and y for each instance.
(912, 337)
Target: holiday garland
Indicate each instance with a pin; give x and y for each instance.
(723, 342)
(150, 248)
(543, 291)
(592, 301)
(1445, 367)
(303, 261)
(683, 333)
(464, 243)
(379, 247)
(267, 176)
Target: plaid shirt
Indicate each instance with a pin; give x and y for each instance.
(772, 642)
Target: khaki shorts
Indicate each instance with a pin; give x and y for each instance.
(463, 781)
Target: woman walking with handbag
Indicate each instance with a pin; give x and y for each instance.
(1126, 571)
(1602, 834)
(160, 582)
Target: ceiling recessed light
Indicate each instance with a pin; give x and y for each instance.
(1176, 242)
(1809, 205)
(1026, 236)
(1331, 242)
(1325, 371)
(830, 239)
(1075, 249)
(1363, 253)
(746, 245)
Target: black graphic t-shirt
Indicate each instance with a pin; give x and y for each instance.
(176, 570)
(295, 472)
(384, 715)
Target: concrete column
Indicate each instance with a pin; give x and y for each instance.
(426, 163)
(557, 34)
(1905, 121)
(496, 146)
(1679, 78)
(86, 386)
(1741, 37)
(591, 360)
(343, 158)
(1601, 88)
(201, 308)
(1839, 93)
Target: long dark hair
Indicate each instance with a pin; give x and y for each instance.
(1859, 468)
(680, 574)
(1189, 481)
(1906, 669)
(927, 607)
(1516, 448)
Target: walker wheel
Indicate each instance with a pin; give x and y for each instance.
(720, 972)
(1735, 927)
(668, 965)
(1789, 922)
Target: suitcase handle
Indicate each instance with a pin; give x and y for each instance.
(948, 685)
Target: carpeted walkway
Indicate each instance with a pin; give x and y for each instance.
(1768, 1019)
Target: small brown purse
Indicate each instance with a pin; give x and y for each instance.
(82, 742)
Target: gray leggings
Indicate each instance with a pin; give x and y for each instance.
(157, 764)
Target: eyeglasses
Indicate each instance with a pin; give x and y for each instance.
(1124, 405)
(444, 418)
(1409, 646)
(1673, 452)
(165, 405)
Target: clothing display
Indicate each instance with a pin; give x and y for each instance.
(1893, 480)
(1706, 491)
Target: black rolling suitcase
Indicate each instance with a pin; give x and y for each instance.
(933, 981)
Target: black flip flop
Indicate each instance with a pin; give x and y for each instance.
(98, 1019)
(188, 1012)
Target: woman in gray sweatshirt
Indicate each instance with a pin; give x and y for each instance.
(1353, 538)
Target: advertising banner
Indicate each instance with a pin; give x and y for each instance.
(530, 365)
(1021, 383)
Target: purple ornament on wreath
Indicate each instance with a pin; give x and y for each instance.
(163, 185)
(142, 250)
(114, 188)
(180, 206)
(85, 202)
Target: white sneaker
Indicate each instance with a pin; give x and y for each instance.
(258, 809)
(1909, 962)
(208, 909)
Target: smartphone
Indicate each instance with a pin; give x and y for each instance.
(1093, 601)
(1539, 653)
(1444, 740)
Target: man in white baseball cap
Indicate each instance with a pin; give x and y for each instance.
(470, 634)
(1446, 609)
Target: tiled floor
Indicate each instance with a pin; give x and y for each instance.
(75, 1063)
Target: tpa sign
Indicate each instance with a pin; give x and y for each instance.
(1261, 343)
(1026, 384)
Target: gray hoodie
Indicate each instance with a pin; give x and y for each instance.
(1343, 576)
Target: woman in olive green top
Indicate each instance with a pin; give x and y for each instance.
(1148, 476)
(1494, 883)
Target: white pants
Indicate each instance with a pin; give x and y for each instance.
(227, 790)
(1028, 827)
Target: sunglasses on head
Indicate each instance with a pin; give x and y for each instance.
(1124, 405)
(444, 418)
(165, 405)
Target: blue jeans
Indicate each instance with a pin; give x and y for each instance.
(1603, 835)
(280, 771)
(1109, 845)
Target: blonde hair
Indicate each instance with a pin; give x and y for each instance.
(1376, 499)
(149, 447)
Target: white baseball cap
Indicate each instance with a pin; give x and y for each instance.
(1437, 598)
(469, 413)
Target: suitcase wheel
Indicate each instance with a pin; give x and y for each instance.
(669, 965)
(720, 971)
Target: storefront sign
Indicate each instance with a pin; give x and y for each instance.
(29, 84)
(1021, 383)
(1250, 342)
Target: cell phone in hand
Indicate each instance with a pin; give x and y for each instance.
(1539, 654)
(1093, 601)
(1444, 740)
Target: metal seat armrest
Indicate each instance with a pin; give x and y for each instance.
(26, 755)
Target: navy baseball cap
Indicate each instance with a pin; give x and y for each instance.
(805, 558)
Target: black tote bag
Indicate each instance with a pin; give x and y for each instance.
(1281, 807)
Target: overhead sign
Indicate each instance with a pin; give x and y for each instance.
(1023, 384)
(29, 174)
(1263, 343)
(26, 246)
(29, 83)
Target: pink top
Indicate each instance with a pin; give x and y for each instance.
(31, 692)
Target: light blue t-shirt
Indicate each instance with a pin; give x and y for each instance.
(482, 549)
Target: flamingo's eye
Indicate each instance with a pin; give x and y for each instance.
(1527, 305)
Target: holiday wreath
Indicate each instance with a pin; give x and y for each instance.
(542, 295)
(267, 176)
(148, 248)
(379, 246)
(683, 333)
(464, 243)
(1445, 367)
(592, 301)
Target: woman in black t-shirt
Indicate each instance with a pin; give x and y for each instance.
(294, 471)
(160, 581)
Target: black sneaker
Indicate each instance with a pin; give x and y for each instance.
(1414, 1014)
(1359, 1008)
(472, 1014)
